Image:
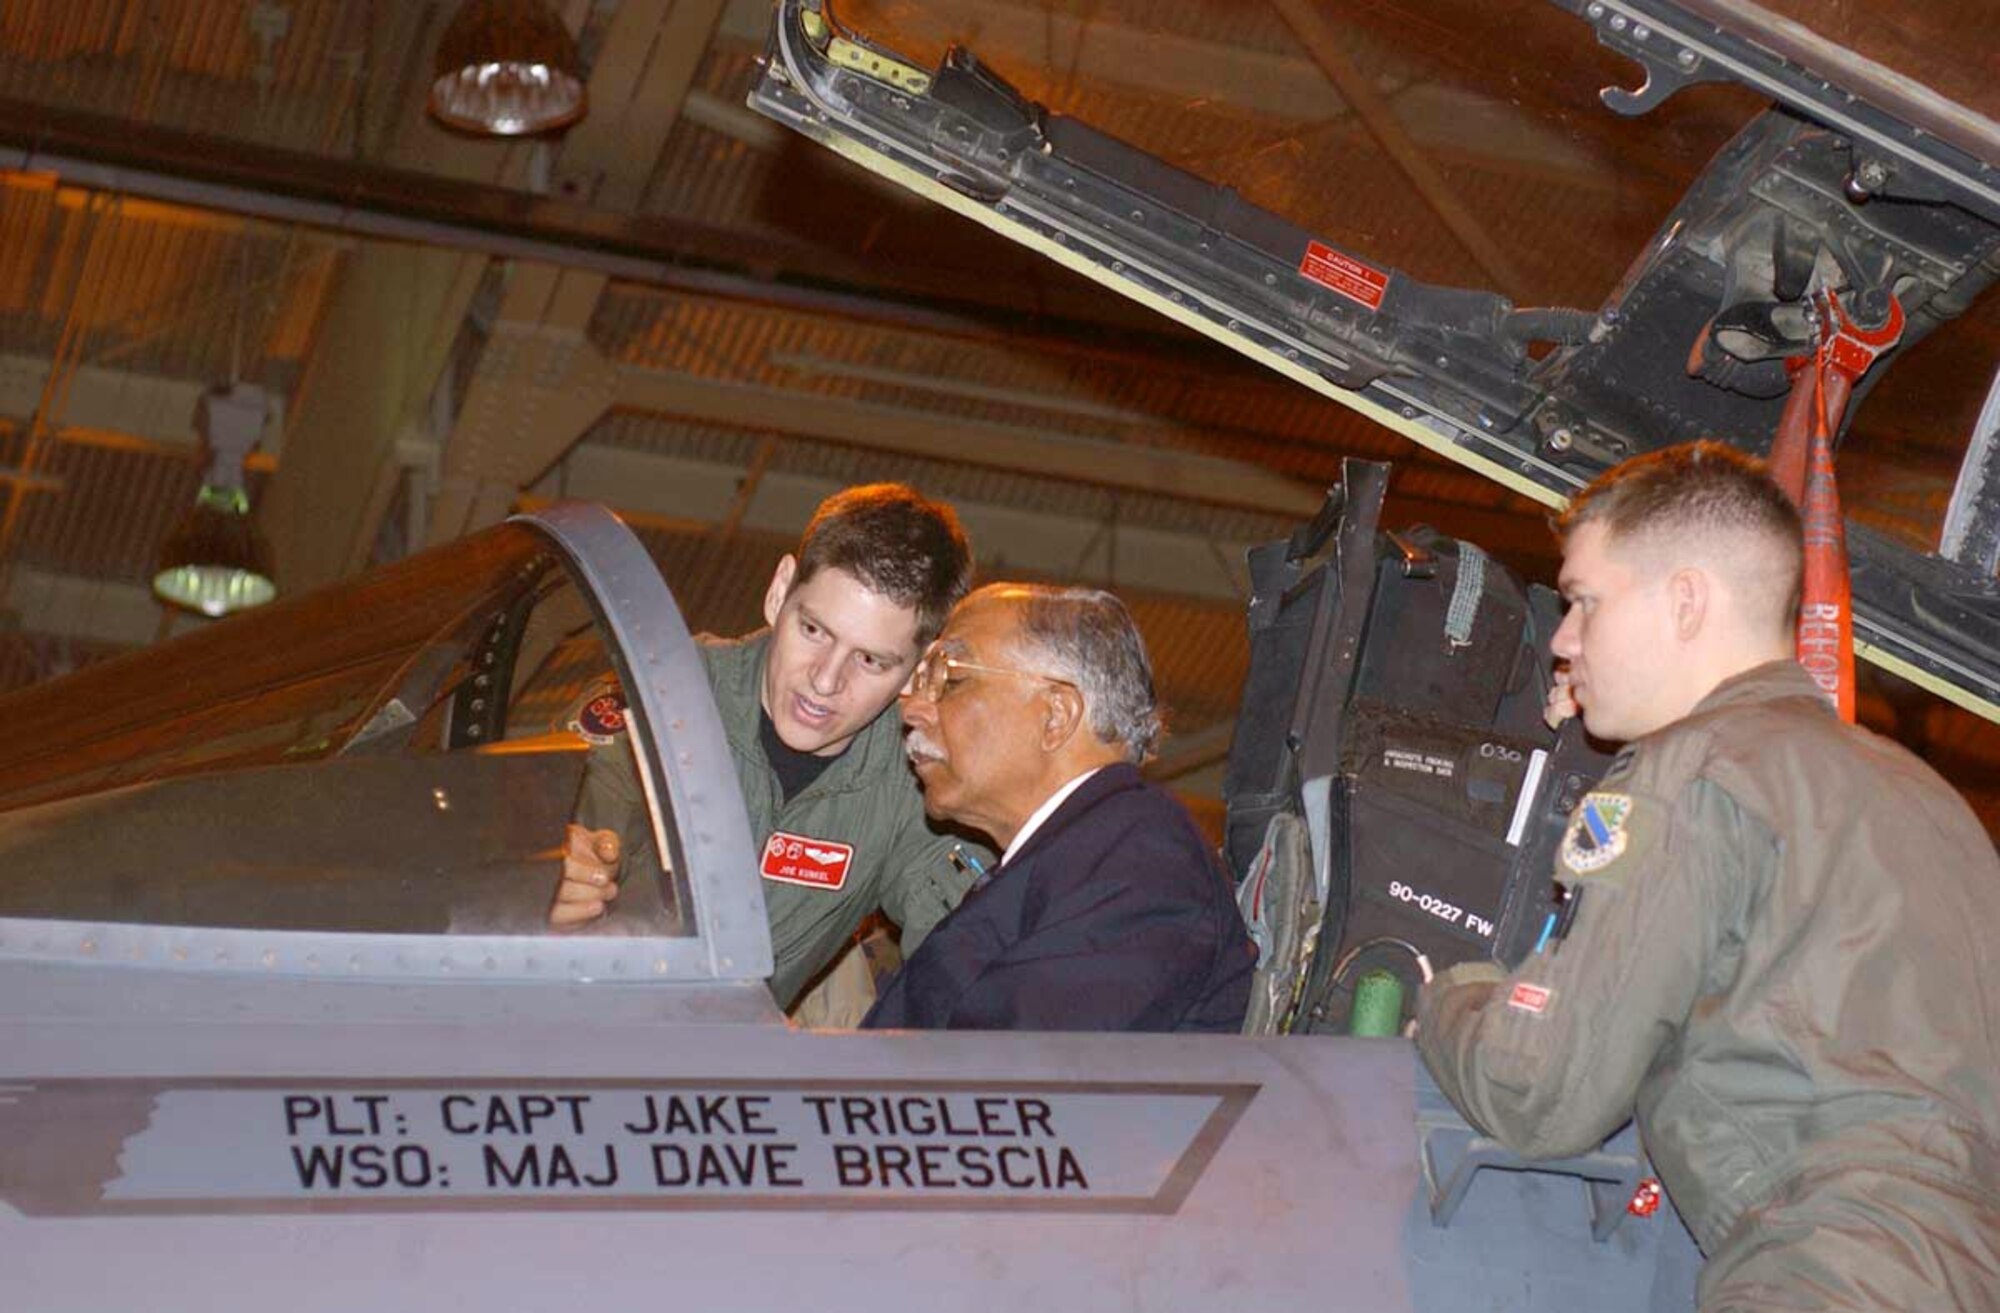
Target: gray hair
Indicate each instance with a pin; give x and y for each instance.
(1086, 636)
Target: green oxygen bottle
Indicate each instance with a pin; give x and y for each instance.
(1378, 1004)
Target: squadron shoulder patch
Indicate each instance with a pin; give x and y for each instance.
(1596, 836)
(600, 716)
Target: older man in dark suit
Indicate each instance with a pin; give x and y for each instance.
(1027, 720)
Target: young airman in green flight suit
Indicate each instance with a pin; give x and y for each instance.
(833, 804)
(1776, 945)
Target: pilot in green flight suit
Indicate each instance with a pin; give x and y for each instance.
(1772, 942)
(832, 800)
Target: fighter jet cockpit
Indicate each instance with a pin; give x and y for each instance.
(283, 1016)
(395, 758)
(278, 964)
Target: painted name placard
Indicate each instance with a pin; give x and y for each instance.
(309, 1145)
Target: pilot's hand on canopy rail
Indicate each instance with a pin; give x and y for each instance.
(1561, 704)
(589, 876)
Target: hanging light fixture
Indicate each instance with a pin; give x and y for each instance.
(509, 68)
(215, 561)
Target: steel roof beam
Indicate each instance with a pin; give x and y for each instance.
(1131, 466)
(342, 195)
(1136, 467)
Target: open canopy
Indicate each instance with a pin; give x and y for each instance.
(1336, 220)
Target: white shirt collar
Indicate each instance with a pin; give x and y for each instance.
(1043, 812)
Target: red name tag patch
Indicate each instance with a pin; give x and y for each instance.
(800, 859)
(1530, 998)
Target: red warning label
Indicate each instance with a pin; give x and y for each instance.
(1342, 273)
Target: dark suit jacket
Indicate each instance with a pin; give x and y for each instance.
(1113, 916)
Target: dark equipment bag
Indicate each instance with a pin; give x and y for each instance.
(1390, 743)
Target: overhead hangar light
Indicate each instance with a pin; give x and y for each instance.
(508, 68)
(216, 561)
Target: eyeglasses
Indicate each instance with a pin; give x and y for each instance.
(932, 678)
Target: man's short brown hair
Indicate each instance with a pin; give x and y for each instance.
(1693, 496)
(898, 543)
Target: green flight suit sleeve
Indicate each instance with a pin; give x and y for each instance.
(1548, 1060)
(611, 798)
(920, 885)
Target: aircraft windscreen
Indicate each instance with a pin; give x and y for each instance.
(1403, 128)
(401, 755)
(1464, 142)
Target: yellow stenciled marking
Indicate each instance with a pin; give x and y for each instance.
(876, 65)
(931, 189)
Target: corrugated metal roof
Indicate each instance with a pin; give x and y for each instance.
(283, 74)
(114, 510)
(157, 289)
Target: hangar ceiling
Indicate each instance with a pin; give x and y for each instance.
(679, 309)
